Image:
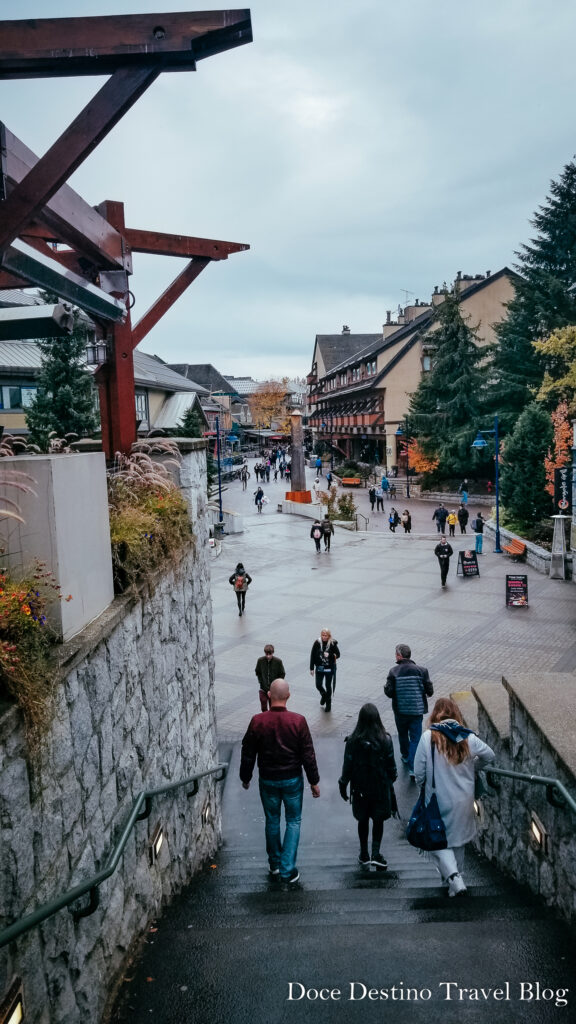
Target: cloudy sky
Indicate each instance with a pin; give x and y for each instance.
(366, 150)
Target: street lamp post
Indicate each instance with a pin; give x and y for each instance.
(218, 459)
(400, 433)
(481, 442)
(324, 427)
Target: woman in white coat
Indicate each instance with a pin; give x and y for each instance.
(458, 755)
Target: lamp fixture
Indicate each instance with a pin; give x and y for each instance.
(538, 834)
(156, 842)
(12, 1006)
(96, 352)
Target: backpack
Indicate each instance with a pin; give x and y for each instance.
(474, 524)
(239, 582)
(368, 774)
(317, 533)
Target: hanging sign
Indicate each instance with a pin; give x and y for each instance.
(467, 564)
(516, 591)
(563, 489)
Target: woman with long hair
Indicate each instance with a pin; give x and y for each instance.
(458, 755)
(370, 768)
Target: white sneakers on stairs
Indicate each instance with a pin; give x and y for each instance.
(456, 885)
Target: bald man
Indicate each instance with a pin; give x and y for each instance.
(281, 741)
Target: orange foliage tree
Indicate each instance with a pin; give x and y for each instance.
(560, 453)
(418, 460)
(268, 403)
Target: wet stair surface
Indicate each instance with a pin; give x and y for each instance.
(381, 945)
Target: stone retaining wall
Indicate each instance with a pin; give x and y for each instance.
(530, 723)
(134, 710)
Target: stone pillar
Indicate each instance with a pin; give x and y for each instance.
(297, 470)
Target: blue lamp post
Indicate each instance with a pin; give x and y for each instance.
(323, 425)
(220, 523)
(481, 442)
(400, 433)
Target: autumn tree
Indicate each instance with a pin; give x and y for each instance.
(268, 403)
(560, 451)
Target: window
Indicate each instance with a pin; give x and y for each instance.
(426, 363)
(28, 396)
(142, 408)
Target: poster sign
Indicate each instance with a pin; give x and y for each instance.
(563, 490)
(468, 563)
(516, 591)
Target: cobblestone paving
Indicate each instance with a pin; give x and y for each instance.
(373, 590)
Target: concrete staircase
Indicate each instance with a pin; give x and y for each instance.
(379, 946)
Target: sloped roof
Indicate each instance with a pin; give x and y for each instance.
(17, 297)
(206, 375)
(175, 407)
(243, 385)
(151, 371)
(15, 355)
(338, 348)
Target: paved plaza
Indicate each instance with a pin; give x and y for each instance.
(373, 590)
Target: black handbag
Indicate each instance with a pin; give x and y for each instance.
(425, 828)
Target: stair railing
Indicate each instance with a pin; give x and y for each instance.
(141, 809)
(556, 792)
(362, 516)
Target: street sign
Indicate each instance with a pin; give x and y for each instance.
(467, 564)
(516, 591)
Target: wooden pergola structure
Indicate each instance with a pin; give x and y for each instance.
(49, 236)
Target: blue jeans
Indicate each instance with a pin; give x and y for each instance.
(409, 732)
(273, 793)
(479, 543)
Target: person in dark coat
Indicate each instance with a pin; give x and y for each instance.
(240, 580)
(327, 531)
(443, 552)
(440, 515)
(316, 533)
(478, 527)
(370, 768)
(268, 668)
(323, 657)
(463, 516)
(372, 497)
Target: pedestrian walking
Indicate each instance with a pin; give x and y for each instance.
(440, 515)
(409, 686)
(259, 499)
(281, 742)
(384, 484)
(372, 497)
(316, 533)
(443, 552)
(318, 466)
(268, 668)
(478, 527)
(287, 472)
(370, 768)
(451, 519)
(329, 479)
(406, 520)
(327, 531)
(463, 486)
(323, 657)
(463, 516)
(392, 492)
(393, 519)
(240, 580)
(316, 489)
(379, 499)
(244, 476)
(447, 760)
(257, 471)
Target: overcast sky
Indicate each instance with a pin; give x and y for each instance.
(365, 150)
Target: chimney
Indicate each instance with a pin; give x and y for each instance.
(388, 316)
(488, 272)
(345, 329)
(459, 275)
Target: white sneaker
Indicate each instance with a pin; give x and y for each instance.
(456, 885)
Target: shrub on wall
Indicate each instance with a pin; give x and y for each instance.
(148, 516)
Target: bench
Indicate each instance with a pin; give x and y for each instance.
(351, 481)
(516, 549)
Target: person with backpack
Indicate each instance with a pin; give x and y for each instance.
(316, 533)
(323, 657)
(477, 525)
(327, 531)
(240, 580)
(370, 768)
(393, 520)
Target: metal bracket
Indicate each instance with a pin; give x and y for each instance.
(88, 908)
(147, 810)
(554, 797)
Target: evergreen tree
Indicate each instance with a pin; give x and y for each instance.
(542, 303)
(66, 401)
(190, 425)
(447, 405)
(523, 472)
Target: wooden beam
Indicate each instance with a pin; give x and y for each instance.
(162, 244)
(167, 299)
(82, 136)
(67, 217)
(54, 47)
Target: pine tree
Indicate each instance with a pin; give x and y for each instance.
(542, 303)
(523, 473)
(190, 425)
(65, 402)
(447, 405)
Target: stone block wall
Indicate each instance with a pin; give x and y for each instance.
(530, 723)
(134, 710)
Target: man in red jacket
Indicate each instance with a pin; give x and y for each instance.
(281, 741)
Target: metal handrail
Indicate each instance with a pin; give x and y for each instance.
(556, 792)
(140, 810)
(365, 518)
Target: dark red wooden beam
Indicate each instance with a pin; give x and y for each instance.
(45, 47)
(47, 176)
(167, 299)
(160, 243)
(66, 217)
